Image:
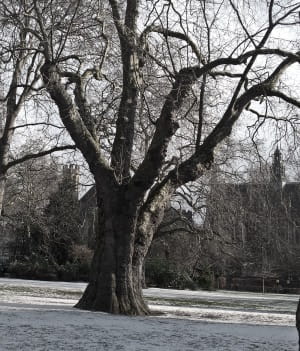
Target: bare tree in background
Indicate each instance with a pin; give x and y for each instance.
(147, 91)
(27, 193)
(19, 76)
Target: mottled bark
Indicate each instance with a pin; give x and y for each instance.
(125, 126)
(76, 125)
(125, 234)
(2, 190)
(5, 143)
(115, 279)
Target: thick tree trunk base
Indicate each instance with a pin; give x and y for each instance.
(117, 267)
(96, 299)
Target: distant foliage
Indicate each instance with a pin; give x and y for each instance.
(161, 273)
(63, 223)
(46, 240)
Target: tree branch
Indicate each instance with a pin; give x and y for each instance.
(38, 154)
(284, 97)
(166, 125)
(174, 34)
(75, 125)
(195, 166)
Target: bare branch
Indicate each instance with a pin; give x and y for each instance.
(38, 155)
(174, 34)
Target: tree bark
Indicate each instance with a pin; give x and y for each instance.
(115, 284)
(115, 279)
(124, 236)
(2, 190)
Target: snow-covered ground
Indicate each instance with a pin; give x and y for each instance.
(37, 315)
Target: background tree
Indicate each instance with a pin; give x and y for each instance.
(19, 77)
(174, 251)
(172, 79)
(62, 227)
(28, 188)
(43, 221)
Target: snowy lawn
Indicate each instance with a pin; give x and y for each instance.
(37, 315)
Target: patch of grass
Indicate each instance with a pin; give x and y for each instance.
(190, 302)
(39, 292)
(238, 305)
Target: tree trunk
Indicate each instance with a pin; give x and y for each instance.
(114, 285)
(125, 233)
(2, 190)
(115, 277)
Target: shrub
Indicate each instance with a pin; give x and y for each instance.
(20, 269)
(79, 268)
(206, 280)
(184, 281)
(67, 272)
(160, 273)
(39, 268)
(82, 254)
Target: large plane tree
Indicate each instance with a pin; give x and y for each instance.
(147, 90)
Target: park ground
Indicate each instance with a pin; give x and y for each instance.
(36, 315)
